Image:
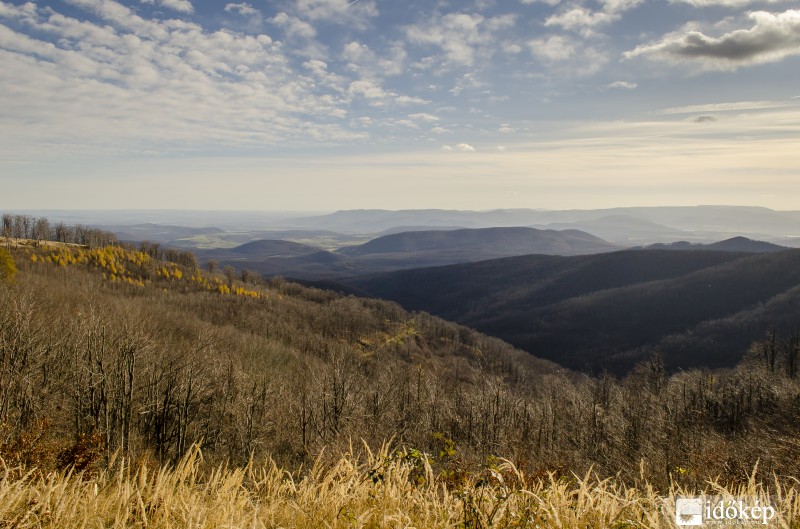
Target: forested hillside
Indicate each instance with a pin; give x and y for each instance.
(118, 350)
(611, 311)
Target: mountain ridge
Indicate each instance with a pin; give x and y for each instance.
(607, 311)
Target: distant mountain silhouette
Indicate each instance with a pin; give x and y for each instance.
(477, 244)
(403, 251)
(401, 229)
(641, 224)
(609, 311)
(620, 228)
(271, 248)
(735, 244)
(254, 255)
(161, 233)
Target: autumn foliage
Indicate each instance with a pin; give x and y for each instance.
(8, 270)
(119, 349)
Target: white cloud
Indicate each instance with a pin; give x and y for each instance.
(132, 84)
(367, 63)
(243, 9)
(462, 37)
(567, 56)
(548, 2)
(375, 95)
(294, 27)
(424, 116)
(727, 107)
(181, 6)
(409, 100)
(625, 85)
(728, 3)
(553, 48)
(354, 14)
(461, 147)
(406, 123)
(580, 18)
(369, 90)
(300, 37)
(331, 80)
(773, 37)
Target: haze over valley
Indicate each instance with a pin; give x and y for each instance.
(681, 281)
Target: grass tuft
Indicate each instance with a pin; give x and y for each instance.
(347, 494)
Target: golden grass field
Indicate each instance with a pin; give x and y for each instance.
(384, 490)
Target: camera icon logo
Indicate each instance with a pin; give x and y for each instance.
(689, 511)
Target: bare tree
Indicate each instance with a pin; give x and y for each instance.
(230, 274)
(41, 230)
(791, 351)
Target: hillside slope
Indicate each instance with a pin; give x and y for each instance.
(610, 311)
(155, 355)
(110, 352)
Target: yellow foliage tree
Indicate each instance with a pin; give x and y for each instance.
(8, 269)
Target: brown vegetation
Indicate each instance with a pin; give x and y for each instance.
(361, 490)
(148, 357)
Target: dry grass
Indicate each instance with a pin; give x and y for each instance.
(368, 491)
(33, 243)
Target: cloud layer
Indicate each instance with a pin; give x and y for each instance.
(490, 87)
(772, 38)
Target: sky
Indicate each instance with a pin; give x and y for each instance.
(319, 105)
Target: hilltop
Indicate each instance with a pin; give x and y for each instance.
(479, 244)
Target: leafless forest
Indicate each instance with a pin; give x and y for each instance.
(108, 350)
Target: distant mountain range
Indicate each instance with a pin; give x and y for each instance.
(622, 226)
(609, 311)
(734, 244)
(406, 250)
(633, 225)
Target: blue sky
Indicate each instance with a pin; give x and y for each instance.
(334, 104)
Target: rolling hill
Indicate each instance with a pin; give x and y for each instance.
(260, 250)
(401, 251)
(479, 244)
(610, 311)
